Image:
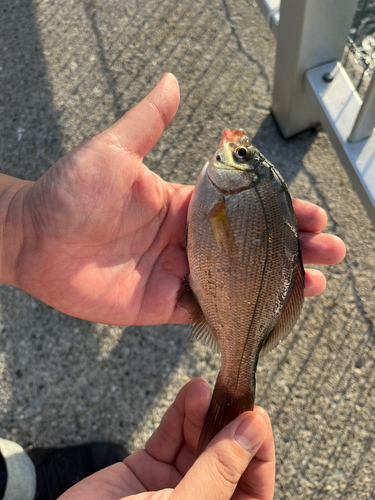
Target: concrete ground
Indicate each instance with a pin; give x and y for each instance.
(69, 69)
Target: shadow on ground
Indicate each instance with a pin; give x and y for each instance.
(30, 137)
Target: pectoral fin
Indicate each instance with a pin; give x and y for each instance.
(290, 314)
(222, 230)
(201, 331)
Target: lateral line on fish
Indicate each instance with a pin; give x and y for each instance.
(261, 284)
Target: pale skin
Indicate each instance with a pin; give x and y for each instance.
(101, 237)
(168, 467)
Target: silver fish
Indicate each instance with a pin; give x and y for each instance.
(244, 292)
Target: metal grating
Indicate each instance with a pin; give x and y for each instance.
(360, 49)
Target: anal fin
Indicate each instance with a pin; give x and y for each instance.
(201, 331)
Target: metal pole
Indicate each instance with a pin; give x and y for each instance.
(271, 12)
(310, 33)
(365, 121)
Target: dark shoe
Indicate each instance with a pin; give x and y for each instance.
(57, 469)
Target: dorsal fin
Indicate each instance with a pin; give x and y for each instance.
(290, 314)
(201, 331)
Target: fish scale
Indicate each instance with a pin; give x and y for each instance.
(244, 292)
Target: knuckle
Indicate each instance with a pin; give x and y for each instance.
(225, 470)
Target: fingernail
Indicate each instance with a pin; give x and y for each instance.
(162, 77)
(250, 433)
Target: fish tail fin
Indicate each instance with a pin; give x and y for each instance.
(225, 407)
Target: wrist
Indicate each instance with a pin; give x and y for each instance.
(12, 195)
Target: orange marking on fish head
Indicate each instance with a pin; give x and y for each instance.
(232, 135)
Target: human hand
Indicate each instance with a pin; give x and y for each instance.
(168, 467)
(101, 237)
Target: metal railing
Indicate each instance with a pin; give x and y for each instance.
(361, 41)
(312, 86)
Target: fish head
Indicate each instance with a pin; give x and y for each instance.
(232, 168)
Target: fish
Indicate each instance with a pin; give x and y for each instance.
(245, 288)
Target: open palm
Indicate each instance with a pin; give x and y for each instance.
(103, 236)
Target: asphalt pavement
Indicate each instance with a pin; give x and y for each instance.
(69, 69)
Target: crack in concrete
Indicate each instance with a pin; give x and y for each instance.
(241, 49)
(90, 9)
(359, 300)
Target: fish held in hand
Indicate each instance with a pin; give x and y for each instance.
(244, 292)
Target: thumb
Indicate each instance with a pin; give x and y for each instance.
(218, 469)
(142, 126)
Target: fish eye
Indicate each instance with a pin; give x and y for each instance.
(241, 153)
(218, 158)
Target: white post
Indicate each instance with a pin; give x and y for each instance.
(365, 121)
(271, 12)
(337, 104)
(310, 33)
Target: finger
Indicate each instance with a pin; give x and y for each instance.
(315, 283)
(321, 248)
(258, 480)
(182, 422)
(310, 217)
(140, 128)
(217, 471)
